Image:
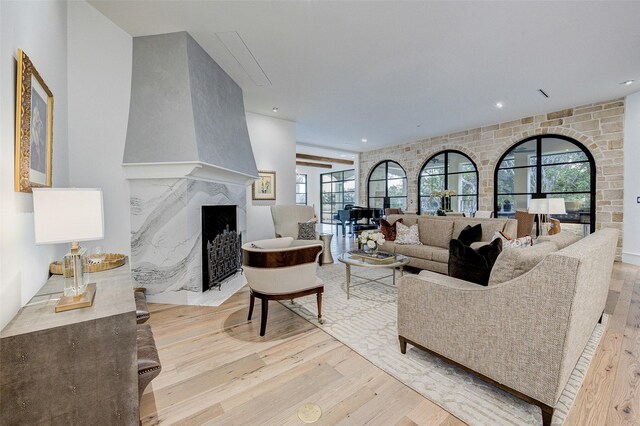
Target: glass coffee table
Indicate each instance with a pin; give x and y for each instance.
(399, 262)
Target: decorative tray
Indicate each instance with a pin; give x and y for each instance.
(94, 264)
(380, 256)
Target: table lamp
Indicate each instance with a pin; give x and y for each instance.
(70, 215)
(539, 207)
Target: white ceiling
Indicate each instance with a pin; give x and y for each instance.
(344, 71)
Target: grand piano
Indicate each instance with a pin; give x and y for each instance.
(353, 215)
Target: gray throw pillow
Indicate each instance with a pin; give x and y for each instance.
(306, 230)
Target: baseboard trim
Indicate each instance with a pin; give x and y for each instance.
(632, 258)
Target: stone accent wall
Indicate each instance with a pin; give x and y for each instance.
(598, 126)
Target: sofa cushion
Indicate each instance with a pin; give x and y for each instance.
(388, 229)
(515, 262)
(439, 255)
(388, 246)
(562, 240)
(435, 232)
(417, 251)
(407, 234)
(470, 234)
(470, 265)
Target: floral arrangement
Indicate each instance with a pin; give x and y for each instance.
(445, 193)
(371, 239)
(446, 198)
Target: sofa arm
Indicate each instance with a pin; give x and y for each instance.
(512, 332)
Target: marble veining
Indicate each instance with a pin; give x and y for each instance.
(166, 252)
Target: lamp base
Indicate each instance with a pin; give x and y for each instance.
(85, 300)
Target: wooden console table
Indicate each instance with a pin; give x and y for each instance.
(77, 367)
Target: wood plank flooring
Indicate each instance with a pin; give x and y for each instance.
(217, 370)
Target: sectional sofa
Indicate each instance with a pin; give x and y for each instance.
(435, 234)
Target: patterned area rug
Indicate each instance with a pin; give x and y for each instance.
(367, 324)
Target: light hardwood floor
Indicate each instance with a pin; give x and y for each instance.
(216, 369)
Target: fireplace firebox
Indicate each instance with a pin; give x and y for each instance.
(221, 245)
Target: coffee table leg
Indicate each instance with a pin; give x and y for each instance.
(394, 276)
(348, 279)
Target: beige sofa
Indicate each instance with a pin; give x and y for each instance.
(525, 334)
(435, 234)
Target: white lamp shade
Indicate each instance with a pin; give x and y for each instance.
(64, 215)
(556, 206)
(539, 206)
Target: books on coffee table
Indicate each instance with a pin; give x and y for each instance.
(380, 256)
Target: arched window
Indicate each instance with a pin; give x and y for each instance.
(448, 170)
(547, 166)
(388, 179)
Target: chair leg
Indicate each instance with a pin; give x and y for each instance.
(263, 321)
(251, 302)
(403, 345)
(319, 299)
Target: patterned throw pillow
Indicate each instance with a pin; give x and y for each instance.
(508, 242)
(407, 235)
(306, 230)
(389, 230)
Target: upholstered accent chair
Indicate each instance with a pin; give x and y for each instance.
(390, 210)
(525, 223)
(280, 269)
(287, 217)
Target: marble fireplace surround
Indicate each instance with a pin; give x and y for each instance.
(166, 229)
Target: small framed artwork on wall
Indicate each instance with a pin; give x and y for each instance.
(265, 187)
(34, 128)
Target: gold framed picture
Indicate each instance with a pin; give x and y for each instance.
(265, 187)
(34, 128)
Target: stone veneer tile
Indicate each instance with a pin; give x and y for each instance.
(597, 126)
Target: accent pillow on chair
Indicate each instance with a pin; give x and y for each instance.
(470, 234)
(470, 265)
(306, 230)
(389, 230)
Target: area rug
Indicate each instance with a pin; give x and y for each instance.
(367, 324)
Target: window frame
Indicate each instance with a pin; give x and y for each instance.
(538, 166)
(343, 180)
(386, 183)
(306, 189)
(446, 174)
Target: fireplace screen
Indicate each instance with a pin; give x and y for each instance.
(221, 245)
(224, 257)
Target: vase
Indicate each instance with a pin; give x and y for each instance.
(370, 250)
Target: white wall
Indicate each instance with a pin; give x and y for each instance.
(631, 240)
(274, 147)
(40, 29)
(100, 55)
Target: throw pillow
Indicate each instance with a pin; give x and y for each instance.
(407, 235)
(470, 265)
(509, 243)
(470, 234)
(389, 230)
(306, 230)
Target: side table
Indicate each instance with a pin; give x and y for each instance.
(326, 252)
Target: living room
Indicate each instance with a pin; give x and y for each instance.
(168, 107)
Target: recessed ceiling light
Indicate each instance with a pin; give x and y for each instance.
(274, 109)
(353, 156)
(364, 140)
(417, 125)
(628, 82)
(499, 105)
(342, 155)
